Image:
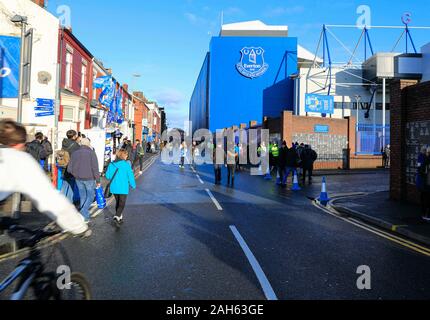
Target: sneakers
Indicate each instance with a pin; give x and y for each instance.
(118, 220)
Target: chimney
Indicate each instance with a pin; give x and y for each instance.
(40, 3)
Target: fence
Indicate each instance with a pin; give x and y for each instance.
(370, 139)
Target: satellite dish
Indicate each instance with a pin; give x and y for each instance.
(44, 77)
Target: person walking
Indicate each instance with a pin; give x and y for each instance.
(292, 162)
(47, 146)
(69, 146)
(283, 153)
(140, 153)
(387, 153)
(84, 167)
(35, 148)
(423, 181)
(308, 158)
(20, 173)
(218, 164)
(183, 151)
(121, 178)
(231, 164)
(275, 156)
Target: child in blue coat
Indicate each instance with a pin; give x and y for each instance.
(122, 178)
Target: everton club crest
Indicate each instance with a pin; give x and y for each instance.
(252, 64)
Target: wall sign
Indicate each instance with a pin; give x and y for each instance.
(316, 103)
(418, 136)
(252, 64)
(319, 128)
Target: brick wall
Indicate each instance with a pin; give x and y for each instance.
(410, 102)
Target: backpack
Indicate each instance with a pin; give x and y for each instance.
(48, 148)
(63, 158)
(36, 150)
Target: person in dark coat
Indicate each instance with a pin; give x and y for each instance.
(68, 188)
(308, 157)
(85, 168)
(292, 162)
(282, 163)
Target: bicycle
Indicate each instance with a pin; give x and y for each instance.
(30, 273)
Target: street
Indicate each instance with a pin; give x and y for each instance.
(185, 238)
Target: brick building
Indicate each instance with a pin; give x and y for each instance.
(76, 83)
(410, 130)
(333, 139)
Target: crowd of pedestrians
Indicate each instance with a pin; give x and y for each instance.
(296, 160)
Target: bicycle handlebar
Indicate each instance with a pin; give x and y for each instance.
(12, 225)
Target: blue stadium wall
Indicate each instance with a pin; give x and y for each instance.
(199, 105)
(223, 97)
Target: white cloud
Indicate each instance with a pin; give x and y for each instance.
(170, 98)
(194, 19)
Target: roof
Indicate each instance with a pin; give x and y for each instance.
(306, 55)
(253, 28)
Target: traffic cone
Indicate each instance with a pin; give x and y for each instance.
(324, 198)
(296, 186)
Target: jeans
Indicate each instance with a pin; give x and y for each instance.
(140, 159)
(231, 171)
(217, 168)
(87, 192)
(68, 189)
(308, 170)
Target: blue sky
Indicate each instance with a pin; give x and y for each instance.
(166, 41)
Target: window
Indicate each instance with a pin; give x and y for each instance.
(94, 79)
(68, 114)
(69, 69)
(84, 78)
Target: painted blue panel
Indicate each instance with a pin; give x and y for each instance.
(261, 88)
(9, 66)
(319, 103)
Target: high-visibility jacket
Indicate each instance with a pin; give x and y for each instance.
(275, 150)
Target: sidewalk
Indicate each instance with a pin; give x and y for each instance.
(320, 173)
(376, 208)
(36, 220)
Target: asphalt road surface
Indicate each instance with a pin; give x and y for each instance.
(185, 238)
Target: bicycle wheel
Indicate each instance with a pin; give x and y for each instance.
(79, 289)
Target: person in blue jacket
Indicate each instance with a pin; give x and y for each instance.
(122, 178)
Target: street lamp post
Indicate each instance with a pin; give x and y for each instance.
(17, 19)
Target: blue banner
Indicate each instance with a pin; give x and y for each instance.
(316, 103)
(108, 94)
(101, 82)
(9, 66)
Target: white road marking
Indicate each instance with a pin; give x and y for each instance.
(264, 282)
(215, 201)
(200, 179)
(413, 246)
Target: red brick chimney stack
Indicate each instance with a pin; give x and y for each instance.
(40, 3)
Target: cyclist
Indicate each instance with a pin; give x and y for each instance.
(20, 173)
